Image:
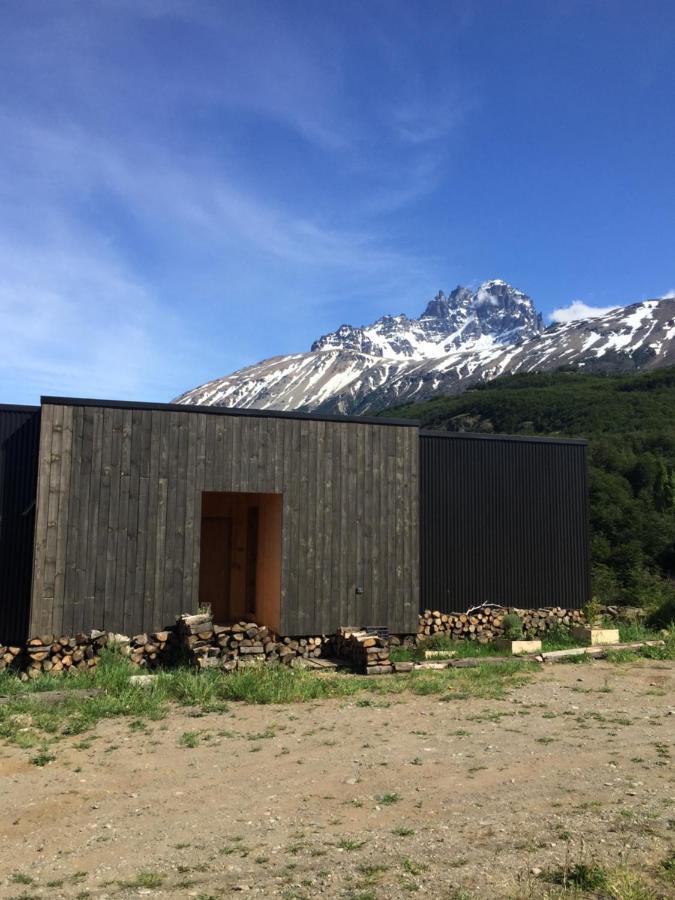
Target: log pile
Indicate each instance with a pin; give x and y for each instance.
(240, 645)
(10, 657)
(538, 621)
(48, 653)
(150, 650)
(486, 623)
(367, 654)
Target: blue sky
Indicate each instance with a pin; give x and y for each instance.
(187, 187)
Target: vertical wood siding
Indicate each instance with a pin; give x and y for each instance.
(503, 521)
(119, 515)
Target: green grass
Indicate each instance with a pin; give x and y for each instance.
(666, 652)
(350, 844)
(668, 866)
(558, 639)
(148, 880)
(31, 723)
(388, 799)
(189, 739)
(43, 757)
(582, 876)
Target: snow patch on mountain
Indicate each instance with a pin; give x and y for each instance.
(460, 338)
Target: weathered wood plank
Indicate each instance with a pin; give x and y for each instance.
(111, 601)
(377, 525)
(353, 529)
(69, 526)
(123, 518)
(190, 477)
(103, 514)
(148, 584)
(40, 604)
(368, 527)
(175, 594)
(362, 610)
(89, 553)
(391, 513)
(310, 605)
(221, 462)
(336, 545)
(137, 442)
(76, 586)
(200, 477)
(400, 515)
(165, 597)
(290, 576)
(344, 611)
(324, 557)
(52, 514)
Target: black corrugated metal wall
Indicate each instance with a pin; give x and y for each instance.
(502, 520)
(19, 439)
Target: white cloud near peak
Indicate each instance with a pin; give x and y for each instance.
(669, 295)
(577, 309)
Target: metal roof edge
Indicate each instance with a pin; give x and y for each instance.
(533, 439)
(18, 407)
(225, 411)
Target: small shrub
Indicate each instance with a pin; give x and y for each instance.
(42, 757)
(663, 615)
(513, 627)
(592, 611)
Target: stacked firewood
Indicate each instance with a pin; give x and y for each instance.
(48, 653)
(10, 657)
(367, 653)
(240, 645)
(151, 650)
(538, 621)
(486, 623)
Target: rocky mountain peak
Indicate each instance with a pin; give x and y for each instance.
(461, 338)
(494, 313)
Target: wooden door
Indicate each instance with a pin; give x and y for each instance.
(215, 566)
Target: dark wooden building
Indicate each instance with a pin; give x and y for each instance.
(133, 513)
(301, 522)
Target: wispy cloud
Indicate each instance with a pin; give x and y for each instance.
(579, 310)
(74, 321)
(669, 295)
(149, 205)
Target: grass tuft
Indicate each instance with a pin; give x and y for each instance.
(582, 876)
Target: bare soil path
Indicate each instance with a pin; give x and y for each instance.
(365, 797)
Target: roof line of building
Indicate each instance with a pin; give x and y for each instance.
(226, 411)
(18, 407)
(526, 438)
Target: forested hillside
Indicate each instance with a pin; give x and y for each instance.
(629, 422)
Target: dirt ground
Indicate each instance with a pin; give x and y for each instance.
(365, 797)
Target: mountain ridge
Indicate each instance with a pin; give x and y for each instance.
(461, 339)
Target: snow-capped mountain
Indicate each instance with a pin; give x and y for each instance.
(466, 337)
